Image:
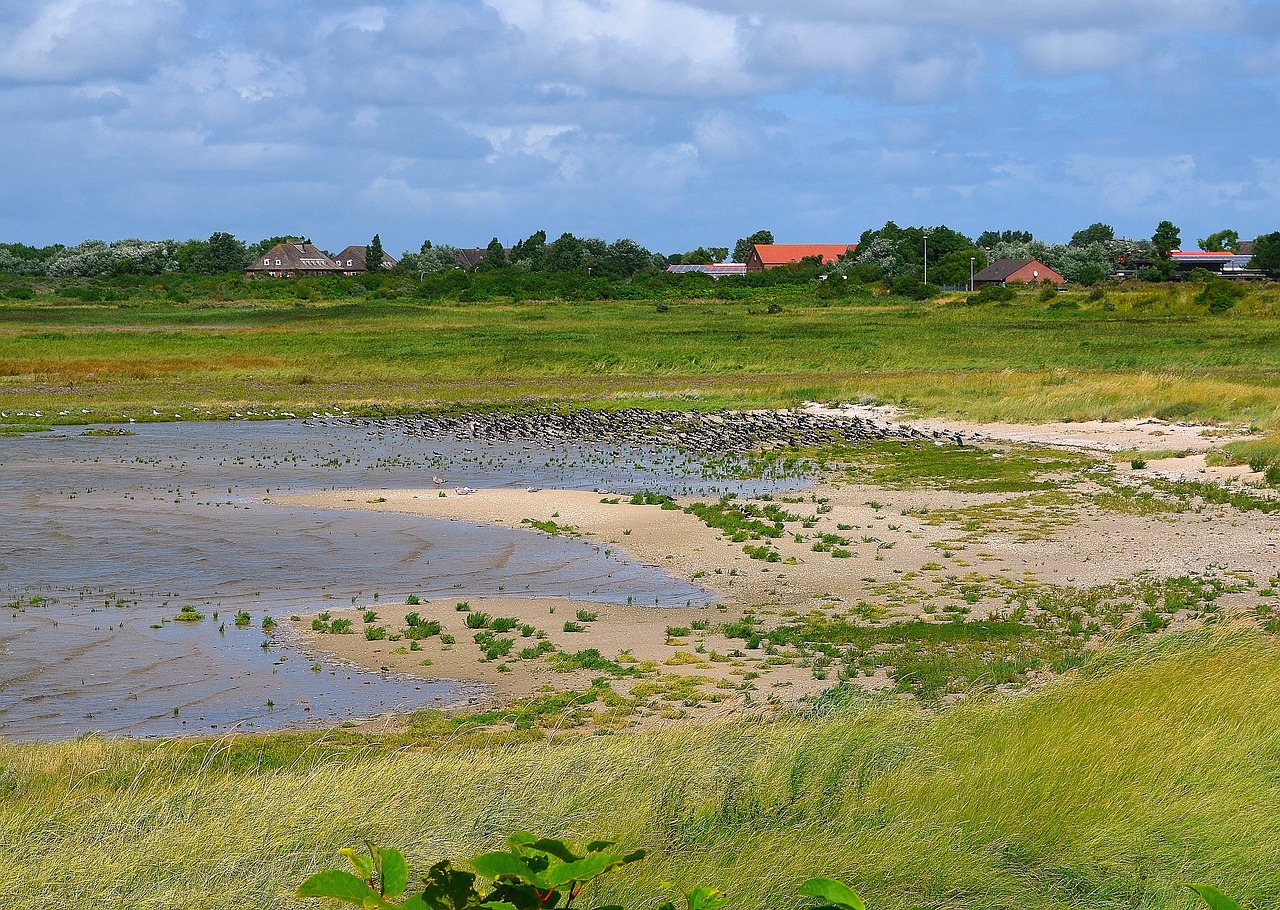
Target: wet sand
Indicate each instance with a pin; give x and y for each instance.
(105, 538)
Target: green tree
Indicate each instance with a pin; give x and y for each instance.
(528, 253)
(495, 256)
(624, 258)
(989, 239)
(373, 255)
(742, 249)
(1227, 240)
(1094, 233)
(1266, 254)
(1165, 239)
(565, 254)
(223, 253)
(953, 268)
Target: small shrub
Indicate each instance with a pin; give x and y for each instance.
(413, 600)
(573, 627)
(243, 618)
(478, 620)
(504, 624)
(588, 616)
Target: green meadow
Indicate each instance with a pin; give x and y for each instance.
(1128, 351)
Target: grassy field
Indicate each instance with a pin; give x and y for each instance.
(1156, 763)
(1141, 350)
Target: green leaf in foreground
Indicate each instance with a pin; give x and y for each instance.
(835, 893)
(339, 885)
(1214, 898)
(395, 873)
(447, 888)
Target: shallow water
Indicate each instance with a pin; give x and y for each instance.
(103, 539)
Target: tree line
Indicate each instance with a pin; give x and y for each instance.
(901, 256)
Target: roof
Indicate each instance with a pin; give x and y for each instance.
(471, 257)
(296, 256)
(787, 253)
(1001, 269)
(353, 259)
(711, 268)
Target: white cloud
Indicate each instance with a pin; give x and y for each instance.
(651, 47)
(1060, 52)
(250, 76)
(73, 39)
(362, 19)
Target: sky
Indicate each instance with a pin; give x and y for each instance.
(677, 123)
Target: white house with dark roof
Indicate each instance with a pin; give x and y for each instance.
(295, 259)
(352, 260)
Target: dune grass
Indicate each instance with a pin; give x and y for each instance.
(1143, 352)
(1157, 763)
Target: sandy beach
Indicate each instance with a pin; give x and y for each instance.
(909, 553)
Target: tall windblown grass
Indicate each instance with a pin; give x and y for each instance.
(1158, 763)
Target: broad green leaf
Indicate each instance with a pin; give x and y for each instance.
(498, 905)
(495, 865)
(833, 892)
(395, 873)
(557, 848)
(338, 885)
(520, 839)
(582, 870)
(362, 863)
(706, 899)
(634, 856)
(416, 903)
(1214, 898)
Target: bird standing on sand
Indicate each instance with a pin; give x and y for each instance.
(437, 480)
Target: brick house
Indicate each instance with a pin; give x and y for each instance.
(295, 259)
(352, 260)
(773, 255)
(1016, 271)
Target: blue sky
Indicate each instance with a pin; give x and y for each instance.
(675, 122)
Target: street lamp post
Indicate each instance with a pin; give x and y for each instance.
(972, 259)
(926, 257)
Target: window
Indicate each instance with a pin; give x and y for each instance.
(277, 262)
(268, 262)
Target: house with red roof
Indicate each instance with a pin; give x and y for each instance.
(1222, 261)
(773, 255)
(1016, 271)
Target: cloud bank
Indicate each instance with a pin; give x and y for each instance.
(677, 122)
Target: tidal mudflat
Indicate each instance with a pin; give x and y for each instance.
(150, 586)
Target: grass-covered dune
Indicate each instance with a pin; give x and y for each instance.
(1158, 763)
(1125, 351)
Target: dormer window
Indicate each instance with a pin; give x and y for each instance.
(266, 262)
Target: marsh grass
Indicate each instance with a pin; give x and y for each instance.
(1156, 764)
(1156, 352)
